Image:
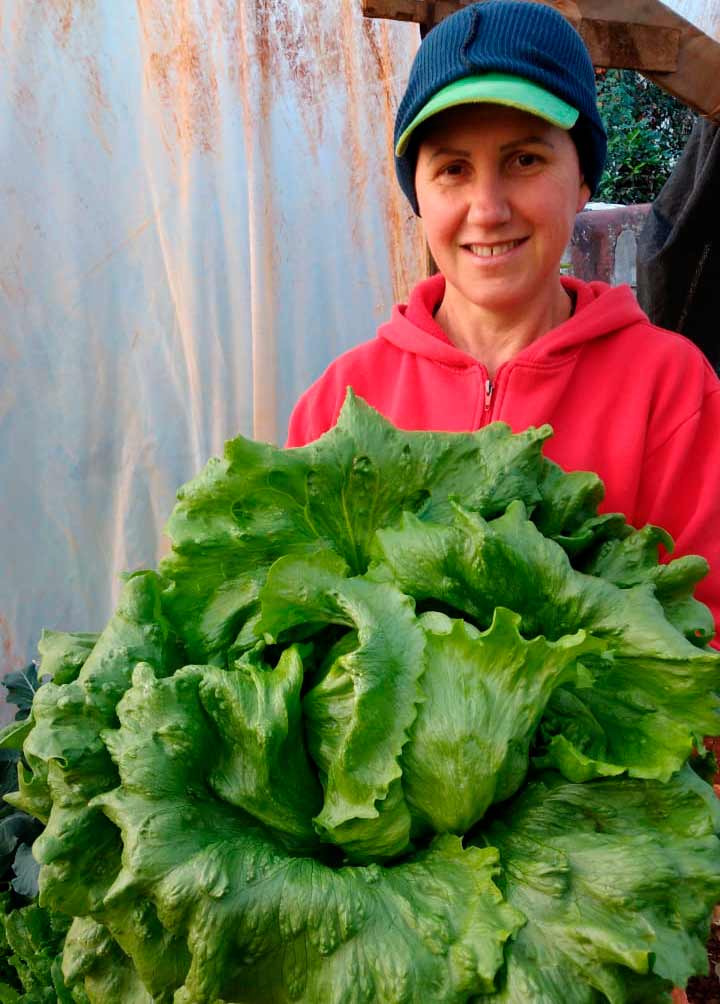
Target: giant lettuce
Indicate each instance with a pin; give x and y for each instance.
(401, 718)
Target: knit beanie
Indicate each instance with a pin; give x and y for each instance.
(506, 39)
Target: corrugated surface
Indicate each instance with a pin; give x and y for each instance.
(704, 14)
(199, 212)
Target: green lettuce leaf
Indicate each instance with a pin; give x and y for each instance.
(260, 923)
(66, 741)
(93, 959)
(359, 712)
(34, 939)
(63, 654)
(484, 694)
(259, 503)
(609, 882)
(80, 849)
(652, 695)
(567, 511)
(264, 768)
(643, 714)
(633, 560)
(475, 565)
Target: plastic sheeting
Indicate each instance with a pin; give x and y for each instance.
(198, 212)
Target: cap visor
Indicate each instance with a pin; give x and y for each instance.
(498, 89)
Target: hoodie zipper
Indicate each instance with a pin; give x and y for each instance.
(488, 393)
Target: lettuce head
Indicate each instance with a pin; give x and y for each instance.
(401, 718)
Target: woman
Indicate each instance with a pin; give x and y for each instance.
(499, 144)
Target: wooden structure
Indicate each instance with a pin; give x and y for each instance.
(643, 35)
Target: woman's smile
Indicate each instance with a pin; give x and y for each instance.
(493, 252)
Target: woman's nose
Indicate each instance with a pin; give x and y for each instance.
(488, 202)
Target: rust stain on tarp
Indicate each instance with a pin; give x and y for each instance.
(269, 50)
(100, 105)
(25, 99)
(320, 51)
(8, 657)
(274, 46)
(179, 64)
(94, 81)
(118, 248)
(13, 271)
(354, 142)
(316, 50)
(74, 29)
(64, 14)
(315, 59)
(404, 233)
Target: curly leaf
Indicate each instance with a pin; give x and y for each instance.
(634, 560)
(259, 503)
(652, 694)
(618, 899)
(484, 694)
(358, 713)
(262, 766)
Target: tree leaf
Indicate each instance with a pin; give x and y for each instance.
(21, 686)
(26, 871)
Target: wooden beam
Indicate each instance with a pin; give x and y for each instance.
(696, 78)
(431, 12)
(397, 10)
(419, 10)
(621, 45)
(642, 35)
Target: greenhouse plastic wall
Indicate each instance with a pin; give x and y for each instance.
(199, 211)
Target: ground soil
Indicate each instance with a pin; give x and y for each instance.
(706, 989)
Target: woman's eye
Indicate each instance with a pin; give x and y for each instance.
(453, 170)
(527, 159)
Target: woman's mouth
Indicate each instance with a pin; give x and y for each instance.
(494, 250)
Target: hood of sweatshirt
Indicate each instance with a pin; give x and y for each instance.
(600, 310)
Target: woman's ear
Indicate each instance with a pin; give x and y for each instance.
(583, 195)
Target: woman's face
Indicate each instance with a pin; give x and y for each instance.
(498, 190)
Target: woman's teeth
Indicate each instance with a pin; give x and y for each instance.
(492, 250)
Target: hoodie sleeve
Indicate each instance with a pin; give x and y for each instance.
(680, 488)
(317, 409)
(370, 369)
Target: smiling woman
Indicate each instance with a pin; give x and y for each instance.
(498, 144)
(498, 190)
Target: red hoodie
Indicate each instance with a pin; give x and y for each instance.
(635, 403)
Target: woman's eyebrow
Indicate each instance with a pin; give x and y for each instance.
(525, 140)
(449, 151)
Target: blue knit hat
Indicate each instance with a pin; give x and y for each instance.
(518, 53)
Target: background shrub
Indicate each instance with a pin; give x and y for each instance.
(647, 131)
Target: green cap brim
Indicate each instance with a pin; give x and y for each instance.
(497, 89)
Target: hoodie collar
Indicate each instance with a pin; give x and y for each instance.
(599, 311)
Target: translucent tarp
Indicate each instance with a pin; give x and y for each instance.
(199, 212)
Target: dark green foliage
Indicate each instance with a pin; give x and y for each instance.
(33, 940)
(21, 685)
(647, 131)
(18, 830)
(31, 937)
